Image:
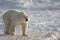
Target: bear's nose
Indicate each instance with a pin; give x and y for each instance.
(26, 19)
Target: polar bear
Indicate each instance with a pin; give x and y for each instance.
(12, 18)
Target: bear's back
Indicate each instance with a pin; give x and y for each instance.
(10, 12)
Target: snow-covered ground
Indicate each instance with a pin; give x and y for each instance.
(45, 19)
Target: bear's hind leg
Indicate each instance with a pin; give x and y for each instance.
(12, 30)
(7, 25)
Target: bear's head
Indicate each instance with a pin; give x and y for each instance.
(24, 17)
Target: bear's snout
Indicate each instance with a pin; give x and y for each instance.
(26, 19)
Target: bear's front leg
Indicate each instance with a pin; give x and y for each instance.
(25, 29)
(12, 30)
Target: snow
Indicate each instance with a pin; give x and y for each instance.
(45, 19)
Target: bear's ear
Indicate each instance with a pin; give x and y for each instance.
(27, 16)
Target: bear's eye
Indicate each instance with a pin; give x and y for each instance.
(26, 19)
